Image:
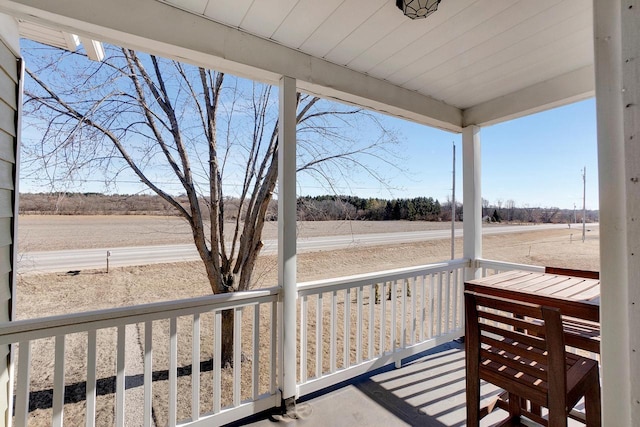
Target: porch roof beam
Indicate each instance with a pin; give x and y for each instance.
(198, 40)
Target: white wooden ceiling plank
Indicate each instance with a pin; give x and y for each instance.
(481, 32)
(197, 6)
(303, 20)
(447, 77)
(513, 19)
(560, 90)
(380, 24)
(410, 31)
(558, 49)
(497, 89)
(406, 63)
(229, 12)
(339, 25)
(541, 29)
(560, 62)
(265, 16)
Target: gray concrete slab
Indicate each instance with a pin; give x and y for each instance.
(427, 391)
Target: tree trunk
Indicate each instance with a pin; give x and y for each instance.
(227, 338)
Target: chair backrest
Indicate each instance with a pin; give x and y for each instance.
(517, 346)
(586, 274)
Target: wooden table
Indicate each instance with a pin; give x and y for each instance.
(577, 298)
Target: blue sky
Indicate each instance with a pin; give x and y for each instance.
(539, 159)
(535, 160)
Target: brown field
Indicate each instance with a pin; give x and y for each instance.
(40, 294)
(57, 232)
(49, 294)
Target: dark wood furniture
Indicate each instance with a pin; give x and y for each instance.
(519, 347)
(576, 297)
(587, 274)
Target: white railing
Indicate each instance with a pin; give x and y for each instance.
(166, 365)
(350, 325)
(160, 363)
(489, 267)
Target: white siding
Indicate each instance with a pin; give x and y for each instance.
(9, 106)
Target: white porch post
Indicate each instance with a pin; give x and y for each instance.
(287, 234)
(617, 66)
(472, 197)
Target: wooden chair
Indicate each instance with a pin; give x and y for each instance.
(586, 274)
(520, 348)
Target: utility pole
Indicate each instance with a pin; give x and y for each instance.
(584, 205)
(453, 206)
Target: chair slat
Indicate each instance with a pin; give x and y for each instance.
(535, 394)
(517, 349)
(507, 305)
(533, 328)
(529, 340)
(499, 360)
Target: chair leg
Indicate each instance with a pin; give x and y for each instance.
(515, 410)
(473, 402)
(592, 403)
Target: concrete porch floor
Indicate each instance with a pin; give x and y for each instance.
(426, 391)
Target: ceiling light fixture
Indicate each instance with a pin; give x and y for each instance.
(417, 9)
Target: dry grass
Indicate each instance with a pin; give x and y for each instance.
(49, 294)
(53, 232)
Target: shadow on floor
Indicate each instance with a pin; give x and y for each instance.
(429, 390)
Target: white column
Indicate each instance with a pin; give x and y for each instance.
(287, 233)
(630, 12)
(472, 196)
(617, 49)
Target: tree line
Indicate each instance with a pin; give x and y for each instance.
(310, 208)
(328, 207)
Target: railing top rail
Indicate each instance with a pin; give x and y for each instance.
(380, 276)
(486, 263)
(126, 315)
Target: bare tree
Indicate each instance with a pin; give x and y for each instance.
(548, 214)
(530, 213)
(485, 207)
(510, 205)
(499, 204)
(194, 131)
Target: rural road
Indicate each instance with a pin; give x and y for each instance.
(81, 259)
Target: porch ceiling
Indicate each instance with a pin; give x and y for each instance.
(471, 62)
